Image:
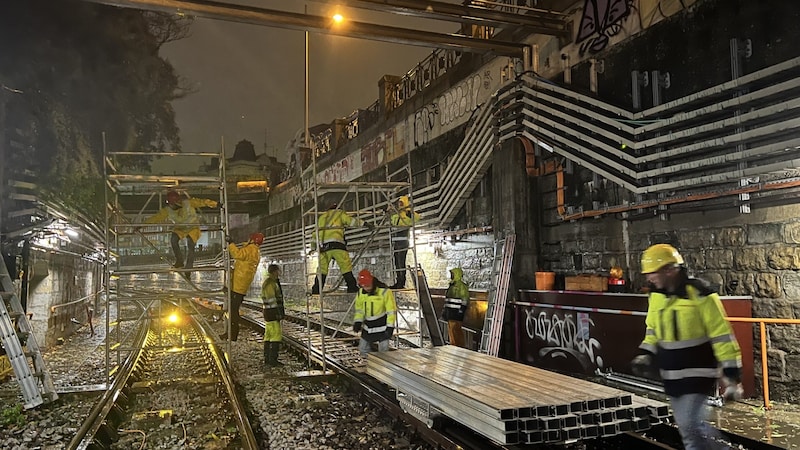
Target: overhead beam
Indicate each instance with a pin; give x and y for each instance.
(303, 22)
(536, 21)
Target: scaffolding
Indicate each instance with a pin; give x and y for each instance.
(373, 203)
(143, 280)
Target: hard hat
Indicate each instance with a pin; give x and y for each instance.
(257, 238)
(658, 256)
(365, 278)
(403, 201)
(173, 198)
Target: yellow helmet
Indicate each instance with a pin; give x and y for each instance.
(403, 201)
(658, 256)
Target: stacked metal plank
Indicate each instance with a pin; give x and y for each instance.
(508, 402)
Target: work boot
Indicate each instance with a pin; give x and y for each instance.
(268, 354)
(276, 348)
(400, 283)
(316, 288)
(352, 286)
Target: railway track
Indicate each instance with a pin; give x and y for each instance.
(174, 389)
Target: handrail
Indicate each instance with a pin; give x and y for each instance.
(82, 299)
(762, 323)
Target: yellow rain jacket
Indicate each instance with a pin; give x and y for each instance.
(244, 267)
(186, 214)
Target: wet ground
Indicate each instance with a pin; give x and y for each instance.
(779, 426)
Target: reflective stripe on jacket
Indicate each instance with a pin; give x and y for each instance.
(272, 296)
(244, 267)
(456, 298)
(332, 223)
(377, 312)
(401, 224)
(691, 338)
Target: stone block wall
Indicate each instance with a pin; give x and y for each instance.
(66, 280)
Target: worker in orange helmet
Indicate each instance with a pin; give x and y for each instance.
(246, 260)
(688, 340)
(182, 211)
(375, 313)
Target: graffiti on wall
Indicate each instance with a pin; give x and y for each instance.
(424, 122)
(564, 337)
(601, 20)
(343, 170)
(460, 100)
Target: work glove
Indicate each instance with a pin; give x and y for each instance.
(228, 239)
(388, 333)
(642, 366)
(733, 389)
(220, 206)
(357, 327)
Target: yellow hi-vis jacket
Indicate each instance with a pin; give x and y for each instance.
(186, 214)
(401, 223)
(691, 339)
(331, 229)
(378, 312)
(244, 267)
(272, 296)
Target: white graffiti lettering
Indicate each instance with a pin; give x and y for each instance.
(563, 333)
(460, 100)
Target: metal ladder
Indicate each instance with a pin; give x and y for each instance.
(428, 311)
(498, 296)
(34, 381)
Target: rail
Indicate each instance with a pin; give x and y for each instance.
(762, 323)
(74, 302)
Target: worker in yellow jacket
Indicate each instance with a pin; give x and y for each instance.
(688, 340)
(272, 296)
(183, 212)
(375, 313)
(245, 263)
(331, 226)
(402, 221)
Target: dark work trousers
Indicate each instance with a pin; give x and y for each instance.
(236, 303)
(400, 253)
(176, 249)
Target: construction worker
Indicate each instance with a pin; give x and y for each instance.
(455, 305)
(245, 264)
(331, 225)
(182, 211)
(401, 222)
(375, 313)
(272, 296)
(689, 339)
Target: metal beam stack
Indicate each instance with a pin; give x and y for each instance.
(508, 402)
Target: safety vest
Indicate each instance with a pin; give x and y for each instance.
(377, 311)
(272, 296)
(456, 298)
(691, 338)
(402, 222)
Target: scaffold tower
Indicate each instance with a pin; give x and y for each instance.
(146, 280)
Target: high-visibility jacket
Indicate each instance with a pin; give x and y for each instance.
(456, 298)
(331, 229)
(244, 267)
(272, 296)
(691, 339)
(377, 311)
(401, 223)
(186, 214)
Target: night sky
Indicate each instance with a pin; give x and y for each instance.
(249, 79)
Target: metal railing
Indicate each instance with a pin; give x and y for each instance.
(762, 323)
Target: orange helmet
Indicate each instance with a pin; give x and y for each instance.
(173, 198)
(365, 278)
(257, 238)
